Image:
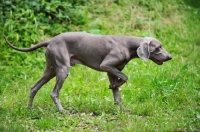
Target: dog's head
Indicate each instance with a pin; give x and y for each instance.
(152, 49)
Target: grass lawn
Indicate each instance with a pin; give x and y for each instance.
(160, 98)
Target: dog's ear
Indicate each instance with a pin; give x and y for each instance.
(143, 51)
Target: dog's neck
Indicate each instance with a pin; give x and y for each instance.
(132, 43)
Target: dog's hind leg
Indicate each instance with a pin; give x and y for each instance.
(60, 60)
(48, 74)
(61, 75)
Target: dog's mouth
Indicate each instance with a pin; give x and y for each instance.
(157, 61)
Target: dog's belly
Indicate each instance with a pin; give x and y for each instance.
(93, 62)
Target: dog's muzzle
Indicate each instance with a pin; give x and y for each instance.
(160, 61)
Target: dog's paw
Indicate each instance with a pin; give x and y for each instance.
(117, 84)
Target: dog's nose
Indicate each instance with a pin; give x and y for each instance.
(169, 57)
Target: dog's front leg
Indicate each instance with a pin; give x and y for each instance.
(116, 77)
(121, 77)
(117, 99)
(110, 65)
(114, 81)
(116, 95)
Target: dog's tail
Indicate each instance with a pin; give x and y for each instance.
(39, 45)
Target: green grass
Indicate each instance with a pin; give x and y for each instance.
(160, 98)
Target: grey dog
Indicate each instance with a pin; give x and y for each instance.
(107, 53)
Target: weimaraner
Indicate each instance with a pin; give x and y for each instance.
(107, 53)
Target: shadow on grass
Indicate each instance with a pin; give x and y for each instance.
(193, 3)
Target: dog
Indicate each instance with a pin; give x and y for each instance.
(105, 53)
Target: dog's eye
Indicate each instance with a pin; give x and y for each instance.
(159, 47)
